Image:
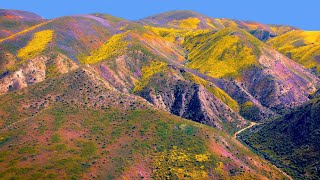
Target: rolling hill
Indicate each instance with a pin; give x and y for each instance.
(78, 126)
(14, 21)
(301, 46)
(96, 96)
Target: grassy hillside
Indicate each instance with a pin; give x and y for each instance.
(96, 96)
(189, 20)
(291, 142)
(221, 54)
(77, 126)
(301, 46)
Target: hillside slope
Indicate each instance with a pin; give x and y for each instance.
(291, 142)
(13, 21)
(78, 126)
(96, 96)
(273, 80)
(301, 46)
(190, 20)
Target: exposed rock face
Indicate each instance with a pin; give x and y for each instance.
(262, 34)
(191, 101)
(35, 70)
(237, 91)
(281, 83)
(32, 72)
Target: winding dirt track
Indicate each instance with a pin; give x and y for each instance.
(241, 130)
(250, 126)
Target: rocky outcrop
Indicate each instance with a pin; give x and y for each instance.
(281, 83)
(192, 101)
(256, 111)
(34, 70)
(262, 35)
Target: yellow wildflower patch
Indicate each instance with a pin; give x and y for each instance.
(173, 35)
(148, 72)
(209, 23)
(301, 46)
(222, 54)
(37, 45)
(202, 157)
(180, 164)
(189, 23)
(113, 47)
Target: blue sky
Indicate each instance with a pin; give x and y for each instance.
(303, 14)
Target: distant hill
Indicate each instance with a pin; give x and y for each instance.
(13, 21)
(192, 20)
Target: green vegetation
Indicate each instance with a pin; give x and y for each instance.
(27, 150)
(88, 149)
(180, 164)
(147, 72)
(115, 46)
(58, 118)
(249, 111)
(291, 141)
(225, 53)
(301, 46)
(55, 138)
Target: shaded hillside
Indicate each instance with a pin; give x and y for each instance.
(188, 96)
(291, 142)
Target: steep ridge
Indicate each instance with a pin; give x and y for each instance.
(190, 20)
(280, 29)
(234, 53)
(128, 47)
(68, 38)
(78, 126)
(13, 21)
(179, 19)
(290, 141)
(188, 96)
(94, 96)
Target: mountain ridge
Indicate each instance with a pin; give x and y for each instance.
(145, 80)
